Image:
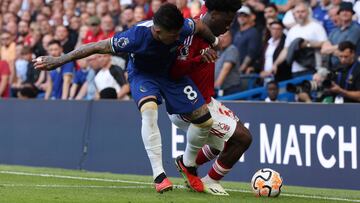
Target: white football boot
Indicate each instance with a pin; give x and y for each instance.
(213, 187)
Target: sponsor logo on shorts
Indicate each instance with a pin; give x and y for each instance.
(143, 89)
(224, 126)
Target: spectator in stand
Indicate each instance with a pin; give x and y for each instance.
(45, 28)
(357, 11)
(258, 7)
(107, 27)
(333, 15)
(283, 5)
(75, 24)
(155, 5)
(67, 41)
(111, 77)
(102, 9)
(57, 19)
(4, 79)
(12, 28)
(139, 14)
(227, 76)
(144, 3)
(288, 18)
(247, 40)
(321, 13)
(8, 52)
(79, 79)
(94, 33)
(88, 89)
(20, 69)
(270, 15)
(272, 88)
(26, 16)
(182, 6)
(24, 36)
(347, 86)
(126, 19)
(346, 31)
(272, 49)
(61, 77)
(91, 8)
(195, 8)
(271, 11)
(32, 75)
(307, 36)
(114, 10)
(84, 18)
(9, 17)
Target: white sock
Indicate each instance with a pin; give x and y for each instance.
(208, 179)
(152, 140)
(196, 138)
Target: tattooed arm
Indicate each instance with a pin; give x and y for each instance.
(50, 63)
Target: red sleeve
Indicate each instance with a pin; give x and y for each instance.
(4, 68)
(184, 67)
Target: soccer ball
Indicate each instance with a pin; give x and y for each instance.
(266, 182)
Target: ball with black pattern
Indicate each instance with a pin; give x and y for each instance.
(266, 182)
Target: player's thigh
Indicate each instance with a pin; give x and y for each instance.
(179, 121)
(181, 96)
(143, 87)
(224, 121)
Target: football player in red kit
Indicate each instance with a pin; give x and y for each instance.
(228, 137)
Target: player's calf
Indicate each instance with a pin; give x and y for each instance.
(152, 141)
(206, 154)
(197, 134)
(233, 150)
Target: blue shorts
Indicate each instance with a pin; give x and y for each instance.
(181, 96)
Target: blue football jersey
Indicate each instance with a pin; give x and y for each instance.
(146, 53)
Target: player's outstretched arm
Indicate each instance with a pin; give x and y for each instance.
(50, 63)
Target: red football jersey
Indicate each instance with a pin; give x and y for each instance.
(188, 63)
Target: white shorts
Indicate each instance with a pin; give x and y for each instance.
(223, 127)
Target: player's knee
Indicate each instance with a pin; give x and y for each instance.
(204, 121)
(201, 117)
(148, 104)
(242, 136)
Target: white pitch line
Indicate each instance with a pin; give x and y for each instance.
(76, 186)
(74, 177)
(176, 186)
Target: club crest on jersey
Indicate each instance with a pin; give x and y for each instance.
(122, 42)
(183, 52)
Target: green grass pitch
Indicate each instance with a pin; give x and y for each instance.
(47, 185)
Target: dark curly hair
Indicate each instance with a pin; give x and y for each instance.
(169, 17)
(223, 5)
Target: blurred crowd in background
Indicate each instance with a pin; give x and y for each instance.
(269, 41)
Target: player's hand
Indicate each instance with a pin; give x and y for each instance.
(209, 56)
(46, 63)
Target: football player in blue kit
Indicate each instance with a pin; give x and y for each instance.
(152, 47)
